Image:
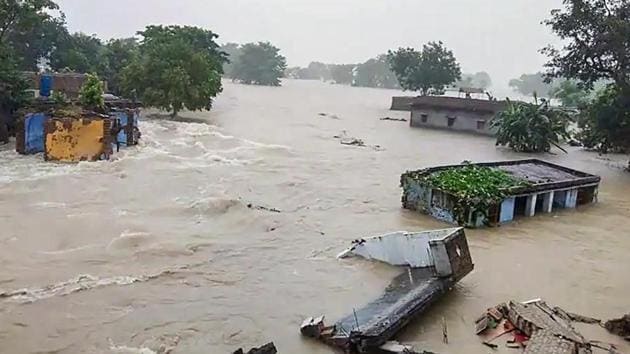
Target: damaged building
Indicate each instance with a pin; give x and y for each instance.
(538, 187)
(453, 113)
(435, 260)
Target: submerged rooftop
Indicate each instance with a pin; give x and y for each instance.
(538, 174)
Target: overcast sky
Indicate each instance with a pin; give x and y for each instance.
(501, 37)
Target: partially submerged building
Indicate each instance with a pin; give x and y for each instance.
(539, 187)
(79, 136)
(454, 113)
(437, 260)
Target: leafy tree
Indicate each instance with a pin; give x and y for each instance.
(12, 90)
(376, 73)
(232, 50)
(119, 53)
(314, 71)
(319, 71)
(342, 73)
(531, 127)
(597, 37)
(292, 72)
(571, 94)
(30, 29)
(81, 53)
(259, 64)
(605, 124)
(531, 84)
(480, 80)
(428, 71)
(177, 68)
(596, 34)
(91, 94)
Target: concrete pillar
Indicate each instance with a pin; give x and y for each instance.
(530, 208)
(507, 210)
(548, 202)
(571, 199)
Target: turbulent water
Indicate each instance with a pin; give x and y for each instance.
(178, 244)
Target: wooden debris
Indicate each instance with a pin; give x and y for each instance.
(620, 327)
(268, 348)
(394, 119)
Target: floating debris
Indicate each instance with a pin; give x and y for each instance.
(268, 348)
(344, 139)
(536, 327)
(394, 119)
(352, 141)
(620, 327)
(263, 208)
(328, 115)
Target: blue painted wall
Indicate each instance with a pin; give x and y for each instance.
(507, 210)
(124, 120)
(34, 132)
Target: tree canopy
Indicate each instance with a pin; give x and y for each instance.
(376, 73)
(597, 37)
(177, 68)
(480, 80)
(571, 94)
(429, 71)
(31, 29)
(342, 73)
(531, 84)
(79, 52)
(259, 64)
(232, 52)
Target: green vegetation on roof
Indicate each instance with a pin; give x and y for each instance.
(475, 189)
(475, 182)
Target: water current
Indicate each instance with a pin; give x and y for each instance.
(158, 249)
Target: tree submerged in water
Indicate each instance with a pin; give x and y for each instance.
(259, 64)
(177, 68)
(429, 71)
(531, 127)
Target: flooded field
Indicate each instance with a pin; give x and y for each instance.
(160, 248)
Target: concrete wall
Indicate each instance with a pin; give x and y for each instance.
(402, 103)
(466, 121)
(72, 140)
(452, 256)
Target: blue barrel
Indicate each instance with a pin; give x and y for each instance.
(45, 85)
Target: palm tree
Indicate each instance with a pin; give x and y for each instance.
(531, 127)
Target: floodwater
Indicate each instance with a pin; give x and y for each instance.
(157, 250)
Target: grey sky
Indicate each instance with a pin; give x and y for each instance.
(501, 37)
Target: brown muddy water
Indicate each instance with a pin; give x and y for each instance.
(157, 249)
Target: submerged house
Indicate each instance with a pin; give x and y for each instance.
(453, 113)
(495, 193)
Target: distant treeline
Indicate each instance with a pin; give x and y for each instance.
(375, 72)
